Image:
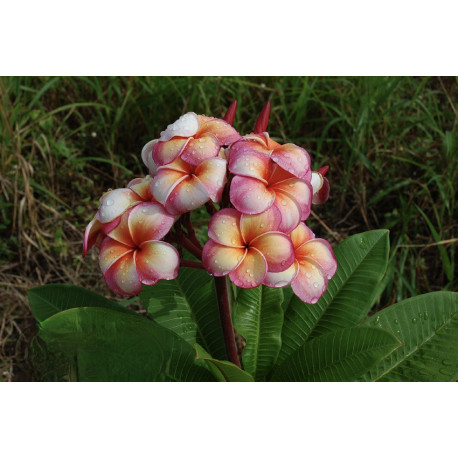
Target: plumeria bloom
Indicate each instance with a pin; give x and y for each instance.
(289, 157)
(246, 246)
(112, 205)
(320, 185)
(182, 187)
(313, 267)
(260, 184)
(194, 138)
(133, 254)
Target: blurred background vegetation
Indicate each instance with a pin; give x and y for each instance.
(390, 142)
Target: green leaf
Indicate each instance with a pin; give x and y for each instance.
(224, 371)
(340, 356)
(46, 301)
(427, 325)
(258, 316)
(111, 346)
(188, 306)
(361, 261)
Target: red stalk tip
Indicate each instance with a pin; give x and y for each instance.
(263, 120)
(230, 113)
(324, 170)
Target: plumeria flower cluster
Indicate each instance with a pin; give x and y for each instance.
(257, 191)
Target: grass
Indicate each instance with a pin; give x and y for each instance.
(391, 144)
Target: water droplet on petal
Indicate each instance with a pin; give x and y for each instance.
(109, 202)
(308, 274)
(251, 275)
(315, 285)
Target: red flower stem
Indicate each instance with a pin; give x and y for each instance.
(188, 245)
(194, 264)
(191, 233)
(224, 303)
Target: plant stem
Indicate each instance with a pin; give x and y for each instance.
(224, 303)
(195, 264)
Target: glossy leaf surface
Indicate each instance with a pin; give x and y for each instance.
(187, 306)
(339, 356)
(258, 316)
(427, 325)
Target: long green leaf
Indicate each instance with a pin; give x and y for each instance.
(187, 306)
(111, 346)
(224, 371)
(340, 356)
(258, 316)
(427, 325)
(362, 261)
(45, 301)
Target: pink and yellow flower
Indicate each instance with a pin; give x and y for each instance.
(313, 267)
(133, 254)
(182, 187)
(112, 205)
(260, 183)
(246, 246)
(194, 138)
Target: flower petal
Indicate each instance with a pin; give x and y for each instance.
(283, 278)
(301, 234)
(164, 183)
(188, 195)
(224, 228)
(321, 196)
(92, 235)
(253, 225)
(142, 187)
(149, 221)
(250, 163)
(251, 272)
(223, 131)
(310, 282)
(251, 196)
(212, 174)
(300, 191)
(166, 152)
(121, 232)
(290, 212)
(294, 159)
(115, 203)
(156, 261)
(147, 157)
(321, 252)
(219, 260)
(185, 126)
(122, 278)
(110, 251)
(199, 149)
(277, 250)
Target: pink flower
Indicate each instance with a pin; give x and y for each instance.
(246, 246)
(289, 157)
(313, 267)
(182, 187)
(192, 137)
(261, 184)
(132, 254)
(112, 205)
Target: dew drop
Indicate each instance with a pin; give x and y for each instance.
(233, 241)
(251, 275)
(283, 202)
(315, 285)
(109, 202)
(308, 274)
(261, 225)
(396, 321)
(329, 277)
(426, 316)
(216, 261)
(233, 224)
(259, 197)
(314, 300)
(248, 271)
(414, 320)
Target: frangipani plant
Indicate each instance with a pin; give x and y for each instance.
(299, 308)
